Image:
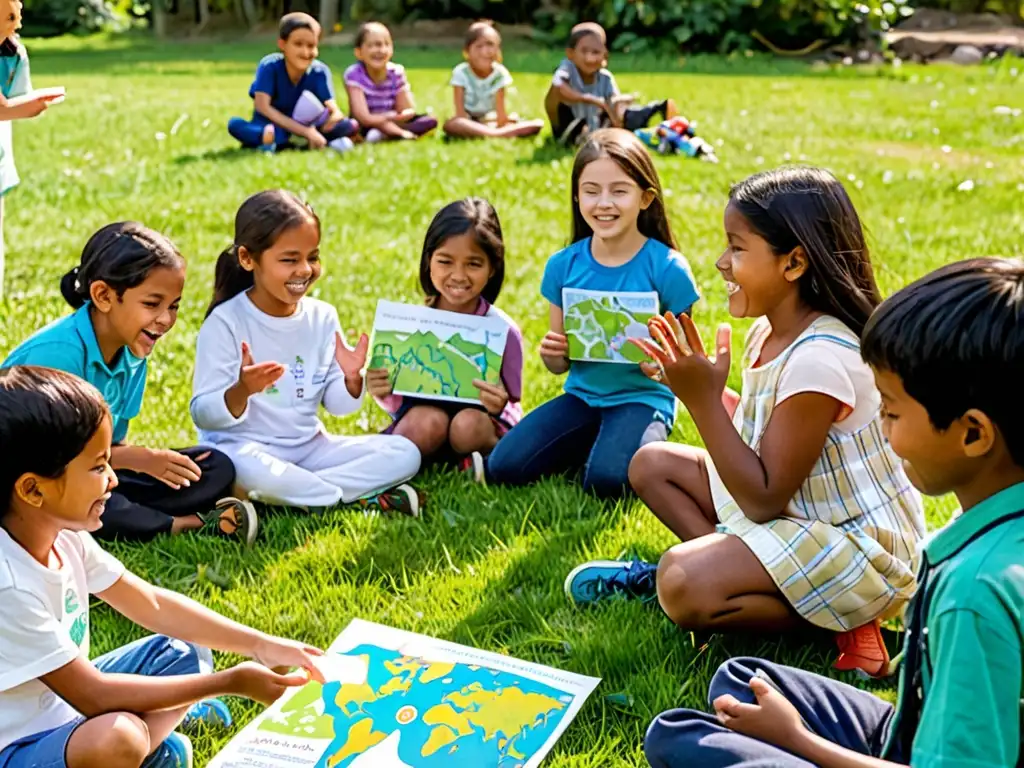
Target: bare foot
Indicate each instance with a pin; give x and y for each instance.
(188, 523)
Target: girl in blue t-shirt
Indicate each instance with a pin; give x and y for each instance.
(126, 291)
(622, 255)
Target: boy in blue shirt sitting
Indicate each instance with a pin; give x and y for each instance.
(293, 94)
(947, 353)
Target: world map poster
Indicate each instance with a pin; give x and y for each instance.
(435, 354)
(395, 699)
(599, 324)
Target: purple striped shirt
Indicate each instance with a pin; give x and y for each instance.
(380, 97)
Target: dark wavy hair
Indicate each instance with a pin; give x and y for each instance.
(809, 207)
(627, 151)
(471, 215)
(955, 338)
(122, 255)
(47, 417)
(262, 219)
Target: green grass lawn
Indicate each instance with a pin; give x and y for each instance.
(142, 136)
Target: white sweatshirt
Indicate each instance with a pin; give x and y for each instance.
(287, 413)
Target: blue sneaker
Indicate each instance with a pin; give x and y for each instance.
(603, 579)
(175, 752)
(211, 712)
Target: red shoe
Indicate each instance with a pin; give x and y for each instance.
(863, 649)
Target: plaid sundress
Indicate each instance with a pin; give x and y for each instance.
(843, 552)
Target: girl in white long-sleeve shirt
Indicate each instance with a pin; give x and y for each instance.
(268, 356)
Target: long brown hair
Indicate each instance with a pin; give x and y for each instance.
(809, 207)
(629, 153)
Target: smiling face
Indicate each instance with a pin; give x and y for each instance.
(377, 48)
(484, 51)
(609, 200)
(300, 49)
(141, 315)
(589, 55)
(75, 501)
(459, 271)
(756, 278)
(10, 18)
(284, 272)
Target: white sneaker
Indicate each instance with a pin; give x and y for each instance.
(342, 145)
(373, 136)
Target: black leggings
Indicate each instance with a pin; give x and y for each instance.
(142, 507)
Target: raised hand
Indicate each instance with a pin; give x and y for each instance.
(493, 397)
(256, 377)
(679, 357)
(351, 361)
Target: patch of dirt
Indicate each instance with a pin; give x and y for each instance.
(931, 34)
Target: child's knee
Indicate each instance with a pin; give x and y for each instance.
(427, 427)
(647, 466)
(733, 677)
(469, 430)
(114, 740)
(673, 738)
(405, 456)
(678, 592)
(218, 469)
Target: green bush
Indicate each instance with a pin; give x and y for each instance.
(725, 25)
(45, 18)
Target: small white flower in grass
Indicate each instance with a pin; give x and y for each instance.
(859, 184)
(160, 136)
(787, 157)
(935, 131)
(743, 113)
(1020, 187)
(748, 147)
(946, 149)
(206, 123)
(966, 186)
(66, 153)
(935, 166)
(758, 160)
(887, 177)
(989, 165)
(972, 91)
(901, 220)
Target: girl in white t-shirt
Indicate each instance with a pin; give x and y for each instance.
(479, 85)
(58, 708)
(797, 511)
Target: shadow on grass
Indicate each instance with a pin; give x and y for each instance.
(232, 154)
(548, 152)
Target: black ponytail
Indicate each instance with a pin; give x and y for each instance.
(262, 219)
(122, 255)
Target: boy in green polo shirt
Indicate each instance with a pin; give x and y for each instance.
(947, 352)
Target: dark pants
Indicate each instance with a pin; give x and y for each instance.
(143, 507)
(420, 125)
(567, 435)
(250, 132)
(633, 118)
(857, 720)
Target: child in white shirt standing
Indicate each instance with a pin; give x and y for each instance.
(479, 85)
(58, 709)
(268, 356)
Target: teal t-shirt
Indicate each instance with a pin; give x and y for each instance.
(972, 687)
(70, 345)
(655, 268)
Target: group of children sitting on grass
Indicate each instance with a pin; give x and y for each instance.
(802, 509)
(293, 93)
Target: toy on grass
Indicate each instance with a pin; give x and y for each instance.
(677, 136)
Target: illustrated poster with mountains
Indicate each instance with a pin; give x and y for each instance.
(434, 354)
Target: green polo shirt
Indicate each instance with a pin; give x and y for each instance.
(70, 345)
(971, 717)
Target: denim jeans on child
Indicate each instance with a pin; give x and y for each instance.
(854, 719)
(567, 435)
(155, 656)
(250, 132)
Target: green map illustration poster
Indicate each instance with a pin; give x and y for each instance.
(395, 699)
(435, 354)
(598, 324)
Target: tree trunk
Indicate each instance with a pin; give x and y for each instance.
(328, 15)
(159, 19)
(202, 15)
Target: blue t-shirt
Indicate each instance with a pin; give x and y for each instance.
(655, 267)
(272, 78)
(70, 345)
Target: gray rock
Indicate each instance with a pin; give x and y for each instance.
(967, 55)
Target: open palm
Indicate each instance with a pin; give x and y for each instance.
(351, 360)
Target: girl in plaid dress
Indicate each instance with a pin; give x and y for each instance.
(797, 511)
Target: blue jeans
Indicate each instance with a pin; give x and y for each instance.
(250, 132)
(155, 656)
(854, 719)
(567, 435)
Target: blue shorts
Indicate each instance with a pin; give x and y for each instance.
(155, 656)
